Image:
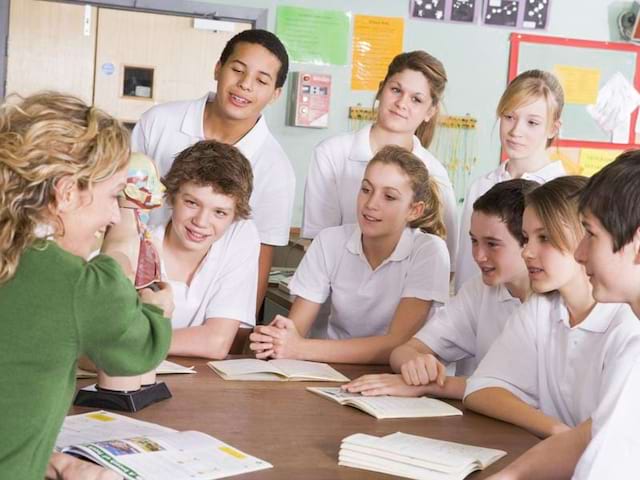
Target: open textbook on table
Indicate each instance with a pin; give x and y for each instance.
(387, 406)
(416, 457)
(276, 370)
(145, 451)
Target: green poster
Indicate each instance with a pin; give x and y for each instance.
(314, 36)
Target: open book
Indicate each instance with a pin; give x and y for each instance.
(415, 457)
(165, 368)
(388, 407)
(143, 451)
(276, 370)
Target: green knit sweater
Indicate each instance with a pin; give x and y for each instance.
(56, 308)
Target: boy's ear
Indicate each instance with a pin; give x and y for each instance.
(276, 94)
(216, 70)
(636, 247)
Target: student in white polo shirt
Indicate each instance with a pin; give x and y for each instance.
(209, 248)
(529, 112)
(409, 100)
(609, 251)
(548, 368)
(463, 330)
(250, 73)
(384, 274)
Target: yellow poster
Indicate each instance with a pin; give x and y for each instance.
(593, 159)
(376, 40)
(580, 85)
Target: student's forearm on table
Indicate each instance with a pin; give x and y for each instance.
(367, 350)
(453, 388)
(554, 458)
(501, 404)
(201, 342)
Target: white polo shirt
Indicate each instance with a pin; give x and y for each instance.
(335, 176)
(364, 301)
(167, 129)
(551, 366)
(465, 328)
(226, 282)
(465, 267)
(615, 444)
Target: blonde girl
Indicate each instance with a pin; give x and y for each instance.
(383, 274)
(529, 114)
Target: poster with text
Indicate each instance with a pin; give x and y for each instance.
(376, 40)
(314, 36)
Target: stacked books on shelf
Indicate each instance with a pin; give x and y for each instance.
(388, 407)
(411, 456)
(140, 450)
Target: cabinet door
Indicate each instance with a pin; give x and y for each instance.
(135, 47)
(51, 48)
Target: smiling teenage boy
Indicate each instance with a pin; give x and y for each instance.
(250, 74)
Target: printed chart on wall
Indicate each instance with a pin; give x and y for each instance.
(600, 82)
(525, 14)
(376, 40)
(465, 11)
(314, 36)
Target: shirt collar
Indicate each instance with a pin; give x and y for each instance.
(403, 248)
(504, 295)
(546, 173)
(597, 321)
(193, 121)
(361, 148)
(193, 125)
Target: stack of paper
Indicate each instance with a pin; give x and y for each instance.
(415, 457)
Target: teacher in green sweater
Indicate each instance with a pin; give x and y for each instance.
(62, 165)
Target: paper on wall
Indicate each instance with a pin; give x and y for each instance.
(616, 100)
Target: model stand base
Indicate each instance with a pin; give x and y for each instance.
(93, 396)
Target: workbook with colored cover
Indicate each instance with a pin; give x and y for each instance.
(416, 457)
(165, 368)
(145, 451)
(389, 407)
(276, 370)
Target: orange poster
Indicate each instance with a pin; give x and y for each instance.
(376, 40)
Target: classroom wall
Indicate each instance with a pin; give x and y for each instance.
(475, 56)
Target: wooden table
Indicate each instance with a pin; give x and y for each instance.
(299, 432)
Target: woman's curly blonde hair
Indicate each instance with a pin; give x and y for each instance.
(43, 138)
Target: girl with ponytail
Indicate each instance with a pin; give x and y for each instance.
(383, 274)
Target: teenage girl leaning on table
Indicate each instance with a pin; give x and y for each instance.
(409, 100)
(62, 166)
(529, 112)
(384, 275)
